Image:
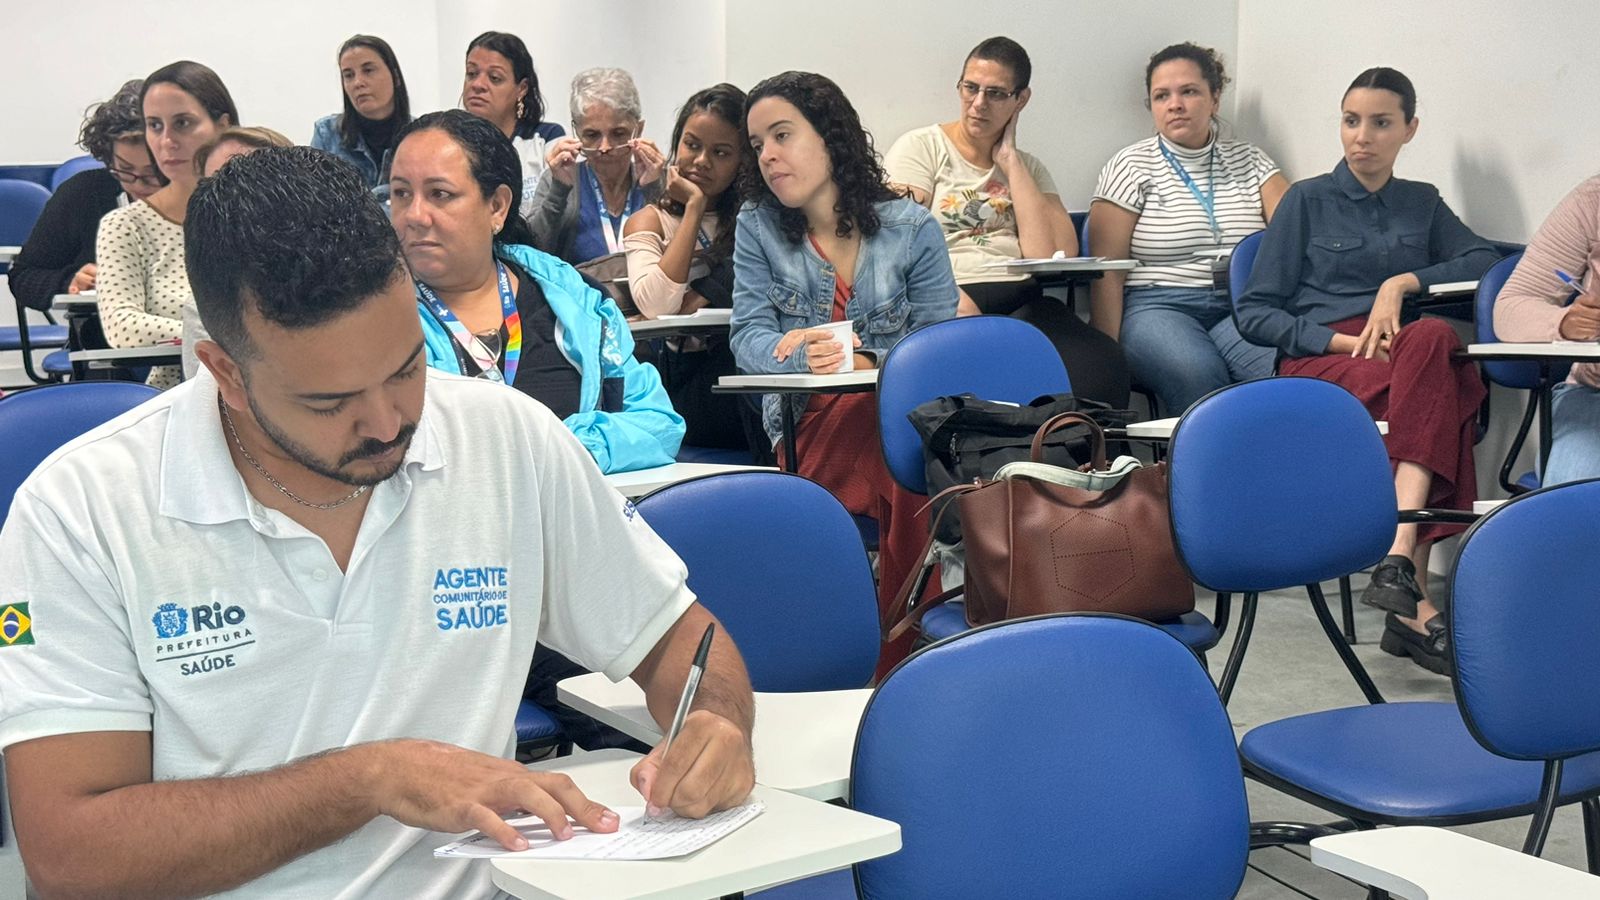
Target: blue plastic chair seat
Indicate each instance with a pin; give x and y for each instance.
(40, 337)
(1414, 761)
(57, 363)
(1529, 480)
(945, 620)
(1194, 629)
(535, 723)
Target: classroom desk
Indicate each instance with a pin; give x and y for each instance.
(1161, 430)
(636, 484)
(705, 322)
(858, 382)
(86, 303)
(7, 254)
(803, 742)
(793, 838)
(159, 355)
(1547, 356)
(1421, 863)
(1453, 289)
(78, 310)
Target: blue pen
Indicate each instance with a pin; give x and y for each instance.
(1571, 282)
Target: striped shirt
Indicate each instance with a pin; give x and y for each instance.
(1173, 226)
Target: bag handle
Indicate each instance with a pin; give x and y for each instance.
(1062, 420)
(918, 580)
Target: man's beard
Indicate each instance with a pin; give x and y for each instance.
(367, 449)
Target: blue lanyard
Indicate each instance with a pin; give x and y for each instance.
(1208, 200)
(469, 341)
(700, 235)
(612, 231)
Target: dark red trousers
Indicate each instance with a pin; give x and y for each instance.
(1430, 398)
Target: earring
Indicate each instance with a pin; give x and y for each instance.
(519, 109)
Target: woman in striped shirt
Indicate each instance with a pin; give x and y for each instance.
(1173, 202)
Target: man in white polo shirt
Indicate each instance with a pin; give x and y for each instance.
(269, 631)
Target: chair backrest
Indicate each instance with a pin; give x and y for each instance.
(20, 205)
(72, 167)
(1242, 262)
(992, 357)
(34, 423)
(1076, 755)
(1279, 482)
(779, 561)
(1080, 224)
(1520, 375)
(1524, 624)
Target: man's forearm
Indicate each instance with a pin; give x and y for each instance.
(196, 837)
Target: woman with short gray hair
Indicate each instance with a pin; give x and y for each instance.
(614, 170)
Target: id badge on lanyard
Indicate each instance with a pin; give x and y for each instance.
(469, 342)
(611, 231)
(1207, 200)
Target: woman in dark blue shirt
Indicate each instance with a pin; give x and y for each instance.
(1337, 260)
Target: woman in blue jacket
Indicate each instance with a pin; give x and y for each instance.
(824, 240)
(494, 307)
(376, 106)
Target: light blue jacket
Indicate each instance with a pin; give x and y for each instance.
(902, 281)
(325, 136)
(640, 430)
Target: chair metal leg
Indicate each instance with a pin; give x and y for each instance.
(1319, 603)
(1591, 833)
(1347, 609)
(1241, 640)
(1549, 790)
(1277, 834)
(1528, 412)
(1220, 615)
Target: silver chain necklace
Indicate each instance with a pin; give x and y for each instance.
(226, 417)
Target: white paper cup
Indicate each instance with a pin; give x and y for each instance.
(844, 333)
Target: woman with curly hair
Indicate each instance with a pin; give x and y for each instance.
(823, 239)
(59, 254)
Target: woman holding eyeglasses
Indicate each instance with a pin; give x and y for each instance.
(594, 181)
(502, 86)
(58, 256)
(1174, 202)
(142, 283)
(996, 202)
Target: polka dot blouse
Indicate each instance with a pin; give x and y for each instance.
(141, 284)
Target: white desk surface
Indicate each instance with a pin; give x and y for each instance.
(1552, 350)
(87, 301)
(793, 838)
(643, 481)
(803, 742)
(1161, 429)
(1420, 863)
(7, 254)
(705, 320)
(160, 354)
(1063, 265)
(1483, 506)
(801, 382)
(1453, 288)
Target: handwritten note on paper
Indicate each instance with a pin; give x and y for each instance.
(635, 838)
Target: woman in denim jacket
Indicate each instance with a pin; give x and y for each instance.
(376, 107)
(824, 240)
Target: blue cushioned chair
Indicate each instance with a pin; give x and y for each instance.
(779, 561)
(995, 358)
(1536, 378)
(538, 729)
(1240, 264)
(1275, 483)
(34, 422)
(72, 167)
(1524, 733)
(1043, 742)
(20, 205)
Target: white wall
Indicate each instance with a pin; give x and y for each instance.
(1505, 94)
(277, 59)
(898, 62)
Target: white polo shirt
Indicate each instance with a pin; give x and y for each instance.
(160, 596)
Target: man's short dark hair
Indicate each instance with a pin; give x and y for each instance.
(293, 232)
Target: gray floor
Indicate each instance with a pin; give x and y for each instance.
(1290, 669)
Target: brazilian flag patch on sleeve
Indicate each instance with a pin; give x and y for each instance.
(16, 628)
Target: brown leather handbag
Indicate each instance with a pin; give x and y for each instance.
(1045, 539)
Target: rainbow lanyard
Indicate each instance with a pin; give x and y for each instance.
(469, 341)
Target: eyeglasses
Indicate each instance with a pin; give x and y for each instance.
(992, 94)
(591, 142)
(126, 177)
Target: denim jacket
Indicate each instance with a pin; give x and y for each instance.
(325, 136)
(902, 281)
